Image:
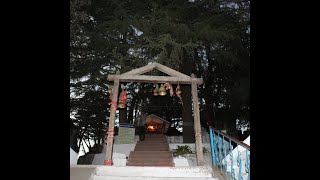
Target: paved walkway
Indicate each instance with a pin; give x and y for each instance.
(81, 173)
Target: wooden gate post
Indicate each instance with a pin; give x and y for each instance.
(113, 108)
(197, 125)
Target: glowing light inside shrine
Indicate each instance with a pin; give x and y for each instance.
(151, 128)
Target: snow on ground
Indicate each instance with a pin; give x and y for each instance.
(192, 159)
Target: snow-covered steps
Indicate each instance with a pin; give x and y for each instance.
(148, 178)
(152, 173)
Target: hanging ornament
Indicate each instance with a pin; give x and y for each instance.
(156, 90)
(162, 90)
(169, 87)
(123, 98)
(178, 91)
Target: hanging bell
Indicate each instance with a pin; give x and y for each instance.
(162, 91)
(156, 91)
(121, 104)
(178, 90)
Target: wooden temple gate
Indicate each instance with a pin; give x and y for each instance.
(174, 77)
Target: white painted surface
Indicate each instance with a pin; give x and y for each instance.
(119, 162)
(181, 162)
(73, 157)
(117, 159)
(123, 148)
(118, 156)
(120, 152)
(192, 160)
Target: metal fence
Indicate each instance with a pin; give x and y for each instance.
(230, 155)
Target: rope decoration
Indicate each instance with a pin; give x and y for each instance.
(123, 96)
(108, 162)
(113, 103)
(198, 135)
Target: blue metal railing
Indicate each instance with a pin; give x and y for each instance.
(221, 143)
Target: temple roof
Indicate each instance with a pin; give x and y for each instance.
(154, 118)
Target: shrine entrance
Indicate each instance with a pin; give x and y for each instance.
(175, 77)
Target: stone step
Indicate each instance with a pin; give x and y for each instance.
(155, 138)
(152, 145)
(150, 152)
(151, 160)
(150, 164)
(144, 146)
(155, 135)
(150, 157)
(133, 171)
(148, 178)
(151, 149)
(150, 142)
(155, 146)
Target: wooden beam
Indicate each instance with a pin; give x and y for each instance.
(154, 79)
(170, 71)
(141, 70)
(156, 66)
(110, 132)
(197, 125)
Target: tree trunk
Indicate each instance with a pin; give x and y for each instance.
(209, 89)
(218, 86)
(188, 125)
(131, 109)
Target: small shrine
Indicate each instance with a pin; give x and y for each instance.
(156, 125)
